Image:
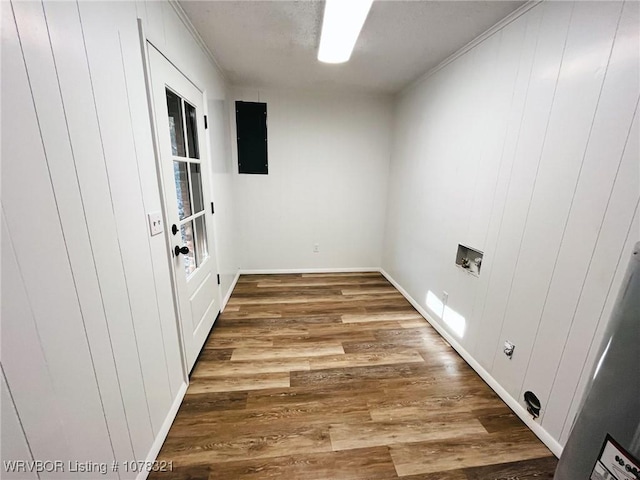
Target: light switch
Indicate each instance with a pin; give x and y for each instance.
(155, 223)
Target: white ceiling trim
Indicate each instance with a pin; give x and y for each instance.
(472, 44)
(182, 15)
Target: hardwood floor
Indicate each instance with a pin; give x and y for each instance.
(336, 376)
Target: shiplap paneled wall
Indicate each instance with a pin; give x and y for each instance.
(90, 350)
(328, 165)
(526, 148)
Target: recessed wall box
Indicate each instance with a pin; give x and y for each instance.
(469, 259)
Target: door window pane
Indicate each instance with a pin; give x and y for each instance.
(174, 106)
(196, 188)
(192, 131)
(182, 189)
(202, 252)
(187, 240)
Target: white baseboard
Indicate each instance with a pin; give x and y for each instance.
(511, 402)
(273, 271)
(164, 430)
(230, 291)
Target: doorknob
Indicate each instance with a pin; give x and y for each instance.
(180, 250)
(174, 229)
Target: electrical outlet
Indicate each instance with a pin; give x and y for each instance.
(445, 297)
(155, 223)
(316, 248)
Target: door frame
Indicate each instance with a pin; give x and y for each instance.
(145, 45)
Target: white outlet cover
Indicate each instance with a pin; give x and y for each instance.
(155, 223)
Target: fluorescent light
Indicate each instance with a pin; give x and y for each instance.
(343, 20)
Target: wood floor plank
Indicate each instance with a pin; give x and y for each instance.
(318, 337)
(381, 317)
(383, 289)
(333, 281)
(414, 323)
(238, 313)
(355, 328)
(259, 353)
(364, 359)
(337, 376)
(294, 321)
(229, 369)
(206, 449)
(195, 404)
(208, 354)
(260, 332)
(357, 275)
(433, 405)
(249, 420)
(231, 343)
(497, 418)
(451, 454)
(239, 382)
(363, 464)
(374, 345)
(378, 433)
(388, 377)
(445, 475)
(536, 469)
(338, 296)
(300, 396)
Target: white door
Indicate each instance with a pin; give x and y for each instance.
(184, 166)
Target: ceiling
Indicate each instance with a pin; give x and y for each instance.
(275, 43)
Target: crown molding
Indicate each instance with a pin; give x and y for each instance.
(472, 44)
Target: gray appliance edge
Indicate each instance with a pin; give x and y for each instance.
(612, 402)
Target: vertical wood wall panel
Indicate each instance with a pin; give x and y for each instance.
(23, 360)
(605, 313)
(76, 91)
(31, 212)
(551, 208)
(500, 263)
(146, 166)
(600, 166)
(597, 290)
(13, 442)
(505, 92)
(497, 184)
(496, 70)
(89, 336)
(100, 23)
(588, 47)
(38, 58)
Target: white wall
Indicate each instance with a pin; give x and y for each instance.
(327, 182)
(526, 148)
(90, 354)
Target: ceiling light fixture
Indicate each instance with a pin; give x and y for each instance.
(341, 25)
